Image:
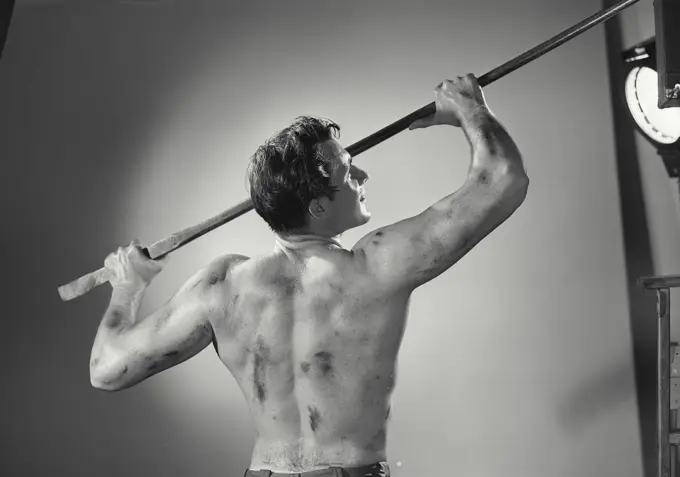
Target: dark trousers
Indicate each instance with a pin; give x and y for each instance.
(379, 469)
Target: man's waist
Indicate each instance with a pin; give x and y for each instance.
(378, 469)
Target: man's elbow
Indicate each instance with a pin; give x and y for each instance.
(511, 187)
(108, 379)
(515, 191)
(509, 180)
(103, 386)
(519, 181)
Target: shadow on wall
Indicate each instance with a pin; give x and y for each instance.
(598, 395)
(6, 9)
(68, 125)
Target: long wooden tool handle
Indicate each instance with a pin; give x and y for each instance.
(157, 250)
(88, 282)
(495, 74)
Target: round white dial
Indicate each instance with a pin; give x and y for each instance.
(642, 95)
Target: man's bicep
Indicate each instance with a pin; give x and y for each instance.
(175, 332)
(413, 251)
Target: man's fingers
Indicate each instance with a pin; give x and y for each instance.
(136, 248)
(421, 123)
(138, 253)
(142, 254)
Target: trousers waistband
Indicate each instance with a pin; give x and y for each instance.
(379, 469)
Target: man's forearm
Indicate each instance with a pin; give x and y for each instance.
(492, 146)
(126, 301)
(119, 317)
(121, 313)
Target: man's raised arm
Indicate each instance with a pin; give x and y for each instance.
(413, 251)
(128, 350)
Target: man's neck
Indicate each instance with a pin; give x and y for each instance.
(305, 241)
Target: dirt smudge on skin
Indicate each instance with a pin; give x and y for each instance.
(262, 357)
(324, 362)
(314, 418)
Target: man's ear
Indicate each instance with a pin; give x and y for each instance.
(317, 207)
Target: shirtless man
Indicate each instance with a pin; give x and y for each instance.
(311, 331)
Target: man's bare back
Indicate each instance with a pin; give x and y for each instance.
(311, 333)
(313, 346)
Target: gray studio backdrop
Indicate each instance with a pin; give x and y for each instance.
(123, 120)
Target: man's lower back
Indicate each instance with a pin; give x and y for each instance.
(313, 349)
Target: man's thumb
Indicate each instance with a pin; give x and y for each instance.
(421, 123)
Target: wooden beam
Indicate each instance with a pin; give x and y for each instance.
(659, 282)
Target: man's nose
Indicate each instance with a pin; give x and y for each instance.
(360, 174)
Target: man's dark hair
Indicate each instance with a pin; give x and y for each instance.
(289, 170)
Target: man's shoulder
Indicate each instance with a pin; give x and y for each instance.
(381, 253)
(221, 268)
(371, 238)
(229, 260)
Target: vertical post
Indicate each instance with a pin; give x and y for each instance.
(663, 377)
(673, 456)
(662, 285)
(673, 428)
